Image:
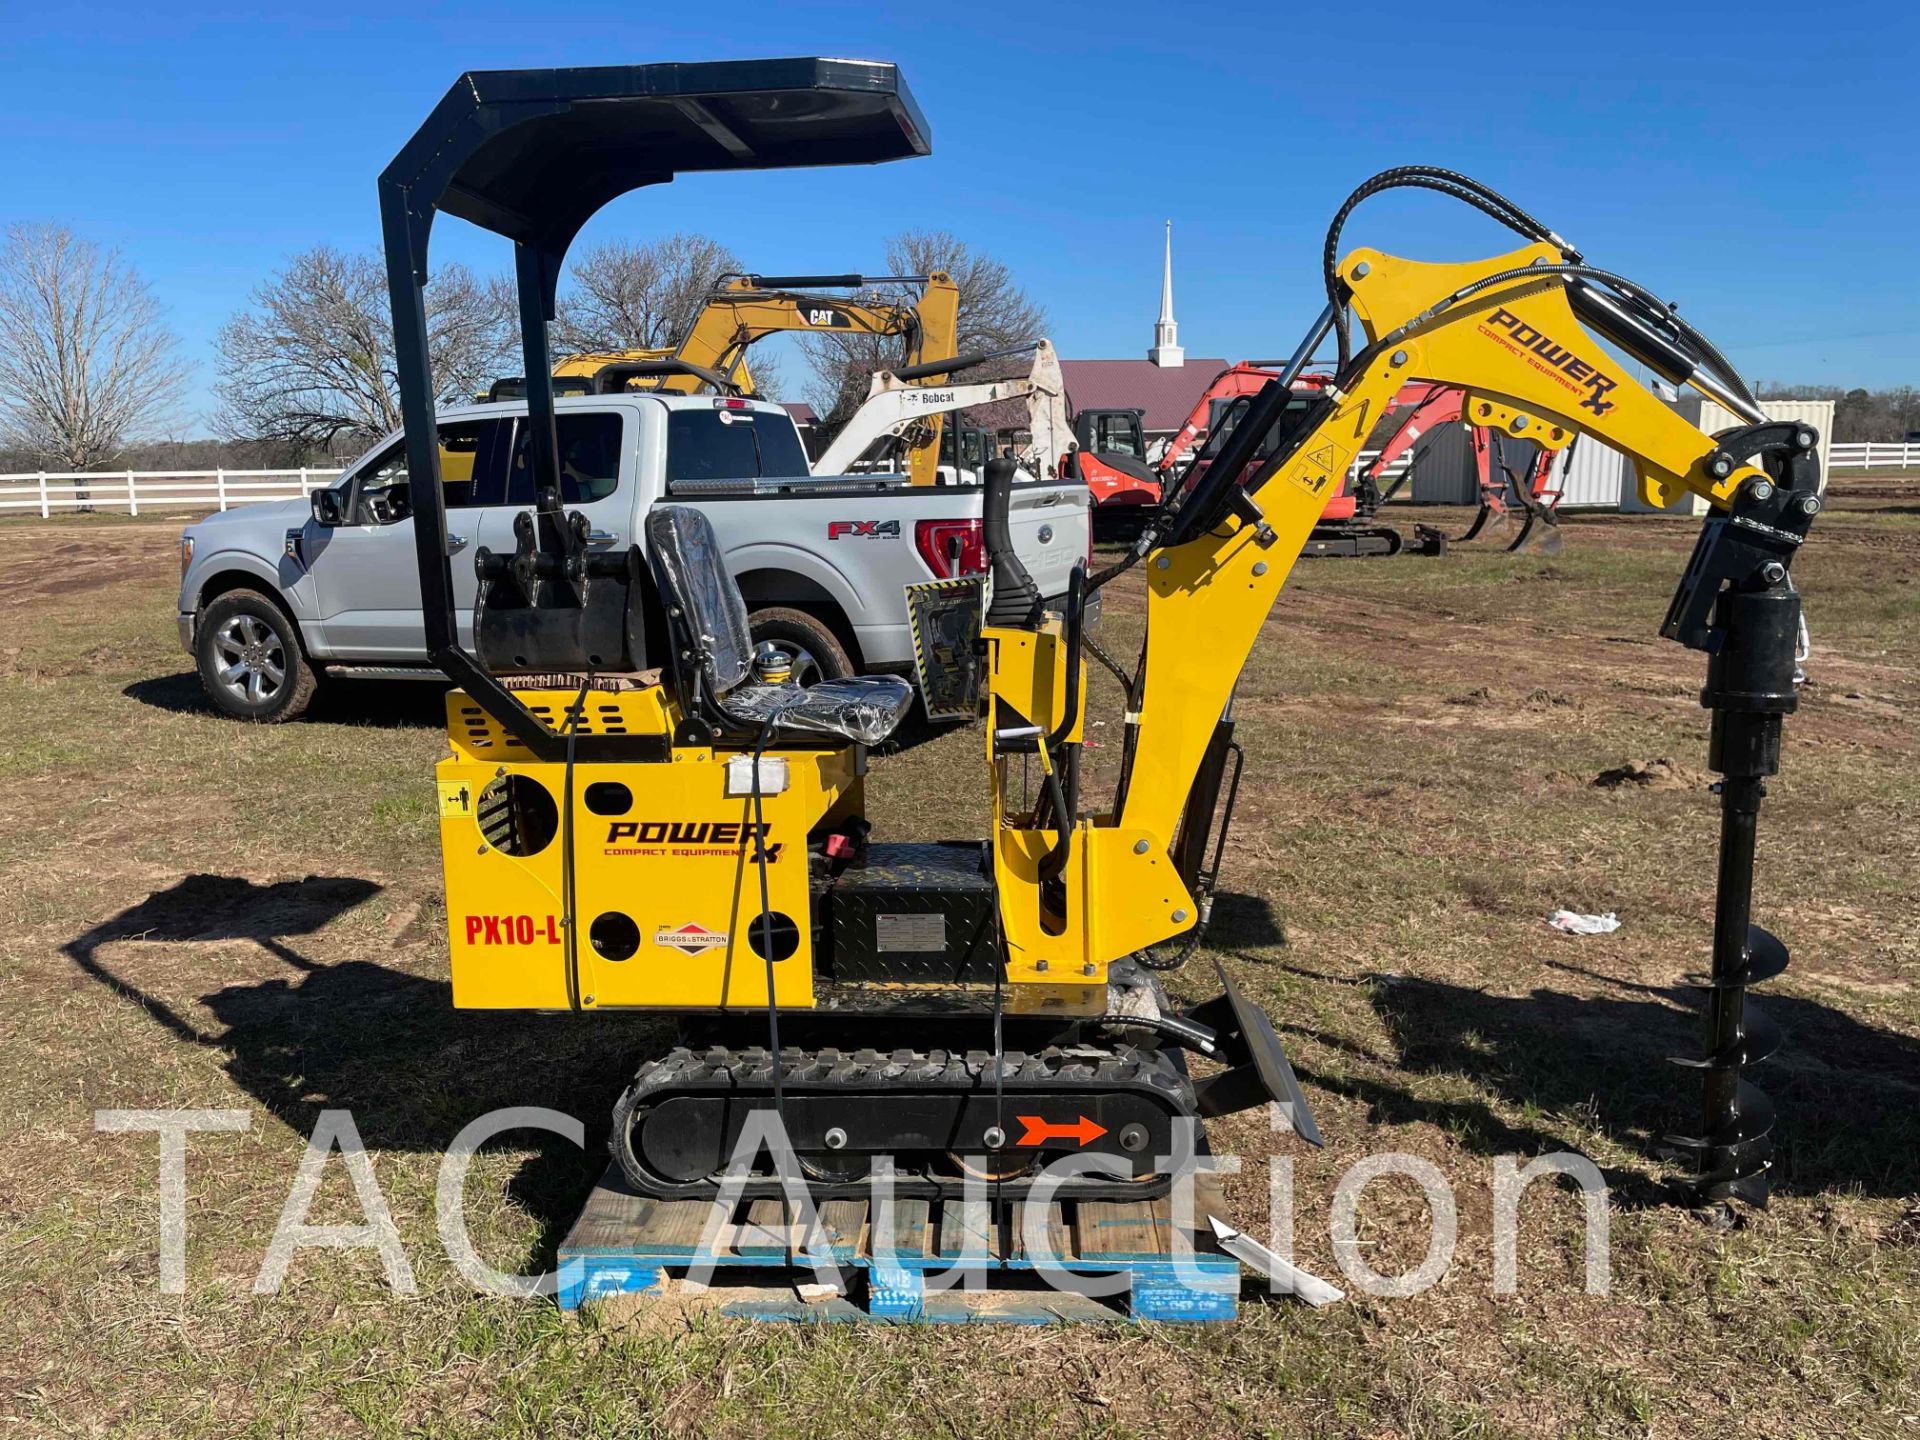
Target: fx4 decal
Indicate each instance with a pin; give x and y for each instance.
(863, 530)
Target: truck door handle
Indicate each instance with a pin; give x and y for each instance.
(601, 537)
(456, 543)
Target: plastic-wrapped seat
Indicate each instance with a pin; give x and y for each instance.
(709, 621)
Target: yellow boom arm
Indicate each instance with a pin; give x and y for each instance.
(1531, 368)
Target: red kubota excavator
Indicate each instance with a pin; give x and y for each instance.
(1347, 525)
(1512, 475)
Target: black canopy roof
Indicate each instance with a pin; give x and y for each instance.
(532, 154)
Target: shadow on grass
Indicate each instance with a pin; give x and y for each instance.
(384, 1044)
(1847, 1094)
(1244, 922)
(385, 704)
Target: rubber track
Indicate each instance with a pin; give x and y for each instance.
(746, 1071)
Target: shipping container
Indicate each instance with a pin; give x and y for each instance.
(1713, 418)
(1443, 472)
(1591, 475)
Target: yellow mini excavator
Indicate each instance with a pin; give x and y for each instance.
(643, 816)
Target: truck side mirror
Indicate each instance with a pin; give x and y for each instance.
(326, 508)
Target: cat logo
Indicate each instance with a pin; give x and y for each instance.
(825, 317)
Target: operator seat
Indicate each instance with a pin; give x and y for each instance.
(713, 649)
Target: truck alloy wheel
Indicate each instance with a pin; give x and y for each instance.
(252, 662)
(249, 658)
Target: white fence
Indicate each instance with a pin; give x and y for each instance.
(1873, 455)
(137, 490)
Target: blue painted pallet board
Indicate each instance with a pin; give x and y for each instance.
(911, 1261)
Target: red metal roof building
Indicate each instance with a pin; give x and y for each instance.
(1166, 393)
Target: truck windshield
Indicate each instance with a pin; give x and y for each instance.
(708, 444)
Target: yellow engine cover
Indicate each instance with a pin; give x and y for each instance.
(666, 881)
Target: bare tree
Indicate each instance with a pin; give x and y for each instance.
(86, 359)
(994, 313)
(639, 297)
(646, 297)
(1858, 413)
(310, 361)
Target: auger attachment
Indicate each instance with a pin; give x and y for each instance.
(1738, 604)
(1750, 688)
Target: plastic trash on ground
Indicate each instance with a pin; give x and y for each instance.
(1571, 922)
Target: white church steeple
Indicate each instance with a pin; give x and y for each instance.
(1166, 349)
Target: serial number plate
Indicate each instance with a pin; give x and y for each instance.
(910, 932)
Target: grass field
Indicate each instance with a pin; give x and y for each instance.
(205, 914)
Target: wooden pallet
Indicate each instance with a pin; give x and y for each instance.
(949, 1261)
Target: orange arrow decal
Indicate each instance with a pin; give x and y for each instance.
(1040, 1130)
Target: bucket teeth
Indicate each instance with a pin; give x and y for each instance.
(1758, 1038)
(1539, 535)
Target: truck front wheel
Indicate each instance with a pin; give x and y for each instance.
(817, 654)
(250, 661)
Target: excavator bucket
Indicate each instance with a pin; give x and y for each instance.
(1514, 498)
(1539, 533)
(1483, 517)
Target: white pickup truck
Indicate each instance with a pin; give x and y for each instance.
(274, 596)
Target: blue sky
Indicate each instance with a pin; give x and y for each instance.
(1755, 161)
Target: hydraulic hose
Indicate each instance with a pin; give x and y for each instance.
(1460, 187)
(956, 363)
(1631, 316)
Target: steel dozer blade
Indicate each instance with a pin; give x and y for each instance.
(1258, 1067)
(1353, 541)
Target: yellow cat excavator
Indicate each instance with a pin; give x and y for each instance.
(659, 822)
(744, 309)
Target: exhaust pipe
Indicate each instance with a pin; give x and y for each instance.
(1016, 599)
